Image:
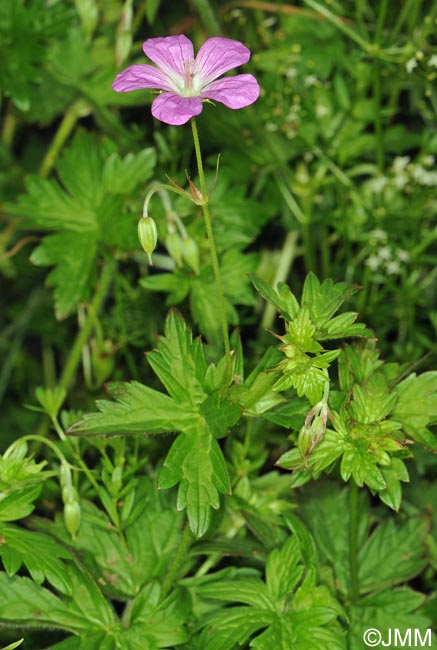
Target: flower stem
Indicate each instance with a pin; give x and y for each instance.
(213, 250)
(353, 540)
(76, 110)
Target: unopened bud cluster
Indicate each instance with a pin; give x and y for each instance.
(313, 430)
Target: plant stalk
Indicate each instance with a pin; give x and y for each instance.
(76, 110)
(213, 251)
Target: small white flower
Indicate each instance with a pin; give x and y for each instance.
(428, 161)
(373, 262)
(400, 163)
(378, 235)
(379, 183)
(411, 64)
(432, 61)
(384, 253)
(402, 255)
(400, 181)
(291, 73)
(321, 111)
(393, 267)
(310, 80)
(423, 176)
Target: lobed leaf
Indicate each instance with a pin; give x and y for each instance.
(138, 410)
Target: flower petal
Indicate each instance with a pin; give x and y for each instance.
(234, 92)
(218, 55)
(176, 110)
(140, 76)
(169, 52)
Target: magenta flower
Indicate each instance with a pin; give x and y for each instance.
(187, 81)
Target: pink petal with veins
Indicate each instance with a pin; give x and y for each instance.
(169, 52)
(219, 55)
(140, 76)
(234, 92)
(173, 109)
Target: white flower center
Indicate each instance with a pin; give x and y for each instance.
(188, 85)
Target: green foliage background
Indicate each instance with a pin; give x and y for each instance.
(181, 511)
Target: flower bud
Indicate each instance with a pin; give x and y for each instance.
(148, 235)
(72, 517)
(310, 436)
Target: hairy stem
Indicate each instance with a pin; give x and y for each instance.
(213, 250)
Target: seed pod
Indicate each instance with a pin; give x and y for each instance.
(69, 494)
(148, 235)
(72, 517)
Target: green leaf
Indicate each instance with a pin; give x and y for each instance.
(227, 629)
(322, 301)
(19, 504)
(416, 407)
(179, 362)
(51, 399)
(195, 460)
(220, 415)
(256, 395)
(39, 553)
(160, 622)
(326, 513)
(393, 475)
(361, 464)
(123, 175)
(23, 602)
(388, 610)
(282, 299)
(234, 270)
(30, 27)
(12, 646)
(372, 400)
(151, 10)
(73, 254)
(283, 569)
(175, 284)
(291, 615)
(393, 554)
(290, 415)
(46, 205)
(139, 410)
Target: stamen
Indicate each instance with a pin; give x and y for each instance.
(189, 74)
